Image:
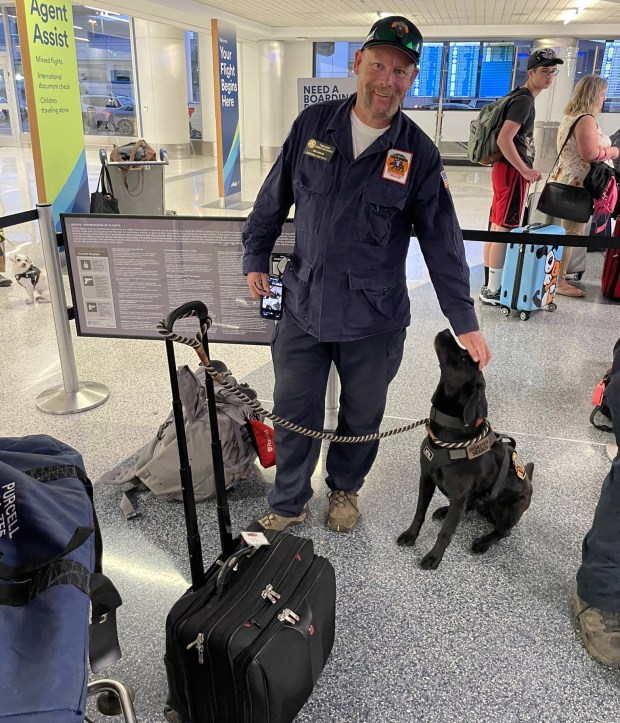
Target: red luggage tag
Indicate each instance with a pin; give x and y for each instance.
(263, 442)
(597, 396)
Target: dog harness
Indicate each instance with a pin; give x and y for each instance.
(434, 455)
(33, 274)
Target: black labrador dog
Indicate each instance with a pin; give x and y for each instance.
(486, 475)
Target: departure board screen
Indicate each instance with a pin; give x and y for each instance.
(611, 68)
(426, 85)
(462, 70)
(496, 69)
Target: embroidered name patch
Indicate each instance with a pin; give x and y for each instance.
(321, 151)
(397, 166)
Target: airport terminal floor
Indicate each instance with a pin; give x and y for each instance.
(483, 638)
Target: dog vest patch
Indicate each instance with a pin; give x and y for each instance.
(428, 453)
(479, 448)
(518, 465)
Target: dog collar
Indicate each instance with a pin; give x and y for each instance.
(33, 274)
(471, 451)
(453, 422)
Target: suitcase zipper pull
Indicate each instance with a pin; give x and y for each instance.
(288, 616)
(270, 594)
(199, 644)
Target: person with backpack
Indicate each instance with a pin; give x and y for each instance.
(596, 601)
(513, 172)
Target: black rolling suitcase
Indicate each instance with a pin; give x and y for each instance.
(247, 642)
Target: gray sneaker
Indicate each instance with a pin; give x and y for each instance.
(600, 631)
(492, 298)
(4, 281)
(343, 513)
(271, 521)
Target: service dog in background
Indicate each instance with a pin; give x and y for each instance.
(484, 473)
(31, 277)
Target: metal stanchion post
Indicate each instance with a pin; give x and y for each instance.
(331, 401)
(72, 396)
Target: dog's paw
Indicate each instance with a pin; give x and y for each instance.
(29, 301)
(407, 539)
(480, 545)
(441, 512)
(430, 561)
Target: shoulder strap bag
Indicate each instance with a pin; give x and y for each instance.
(560, 200)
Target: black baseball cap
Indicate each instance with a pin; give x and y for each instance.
(397, 32)
(543, 58)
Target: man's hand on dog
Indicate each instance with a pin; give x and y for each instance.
(477, 347)
(258, 284)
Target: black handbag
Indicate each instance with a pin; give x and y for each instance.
(560, 200)
(103, 201)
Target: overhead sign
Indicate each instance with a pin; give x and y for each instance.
(317, 90)
(226, 86)
(54, 106)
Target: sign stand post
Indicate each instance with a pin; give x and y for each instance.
(72, 396)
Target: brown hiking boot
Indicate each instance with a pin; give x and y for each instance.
(271, 521)
(600, 631)
(343, 513)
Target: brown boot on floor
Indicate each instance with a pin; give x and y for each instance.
(271, 521)
(343, 513)
(600, 631)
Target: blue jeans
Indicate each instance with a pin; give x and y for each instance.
(301, 366)
(598, 578)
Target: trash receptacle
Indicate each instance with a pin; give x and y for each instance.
(91, 116)
(545, 142)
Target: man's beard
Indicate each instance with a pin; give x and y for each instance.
(395, 100)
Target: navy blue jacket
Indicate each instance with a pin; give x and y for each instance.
(347, 278)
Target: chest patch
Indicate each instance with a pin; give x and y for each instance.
(321, 151)
(397, 166)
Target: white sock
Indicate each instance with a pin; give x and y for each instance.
(495, 280)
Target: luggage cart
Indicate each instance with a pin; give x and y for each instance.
(139, 186)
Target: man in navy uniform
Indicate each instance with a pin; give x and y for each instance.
(596, 602)
(345, 292)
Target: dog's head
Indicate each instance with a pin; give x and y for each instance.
(462, 383)
(21, 263)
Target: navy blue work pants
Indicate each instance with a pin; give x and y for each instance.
(301, 366)
(598, 578)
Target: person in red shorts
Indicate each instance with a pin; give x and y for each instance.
(515, 170)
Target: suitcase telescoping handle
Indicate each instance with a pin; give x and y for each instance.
(197, 308)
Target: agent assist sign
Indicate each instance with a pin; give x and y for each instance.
(54, 105)
(49, 13)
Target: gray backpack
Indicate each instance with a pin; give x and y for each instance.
(157, 463)
(483, 131)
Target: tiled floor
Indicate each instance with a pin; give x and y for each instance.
(481, 639)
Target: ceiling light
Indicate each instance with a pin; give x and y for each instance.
(571, 15)
(382, 15)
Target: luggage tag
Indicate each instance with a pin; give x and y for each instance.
(255, 539)
(599, 390)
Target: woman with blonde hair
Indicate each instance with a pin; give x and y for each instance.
(587, 144)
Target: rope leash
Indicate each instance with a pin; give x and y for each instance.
(196, 343)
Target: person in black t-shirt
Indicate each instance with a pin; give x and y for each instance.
(512, 173)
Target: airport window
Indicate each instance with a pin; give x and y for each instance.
(193, 66)
(2, 31)
(105, 71)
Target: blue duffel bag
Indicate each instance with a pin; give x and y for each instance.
(50, 571)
